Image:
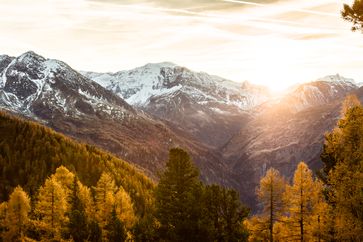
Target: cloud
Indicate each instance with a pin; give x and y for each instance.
(195, 5)
(313, 36)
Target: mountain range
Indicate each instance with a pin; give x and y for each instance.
(233, 131)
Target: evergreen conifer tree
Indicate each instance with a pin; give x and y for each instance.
(177, 197)
(78, 224)
(224, 214)
(115, 228)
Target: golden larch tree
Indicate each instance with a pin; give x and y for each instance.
(17, 219)
(51, 208)
(270, 194)
(343, 173)
(65, 178)
(124, 208)
(301, 199)
(104, 199)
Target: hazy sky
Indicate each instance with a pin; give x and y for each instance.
(276, 43)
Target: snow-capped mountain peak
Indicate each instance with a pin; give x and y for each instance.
(338, 79)
(140, 85)
(322, 91)
(30, 56)
(31, 83)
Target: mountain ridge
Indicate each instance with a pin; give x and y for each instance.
(234, 132)
(78, 107)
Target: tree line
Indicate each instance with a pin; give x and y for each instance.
(30, 153)
(55, 189)
(184, 209)
(65, 209)
(109, 200)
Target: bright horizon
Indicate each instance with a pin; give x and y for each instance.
(272, 43)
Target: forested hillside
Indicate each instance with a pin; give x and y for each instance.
(30, 153)
(54, 189)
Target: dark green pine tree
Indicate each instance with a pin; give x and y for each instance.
(95, 232)
(225, 214)
(145, 228)
(115, 228)
(77, 225)
(178, 199)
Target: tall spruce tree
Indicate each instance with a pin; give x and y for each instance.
(116, 231)
(78, 224)
(177, 197)
(146, 228)
(95, 231)
(224, 214)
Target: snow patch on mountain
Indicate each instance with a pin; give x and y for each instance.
(138, 86)
(31, 82)
(319, 92)
(338, 79)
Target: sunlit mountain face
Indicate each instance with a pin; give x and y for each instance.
(274, 43)
(233, 131)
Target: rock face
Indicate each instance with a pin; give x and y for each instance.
(285, 131)
(34, 83)
(234, 132)
(322, 91)
(249, 128)
(51, 92)
(209, 108)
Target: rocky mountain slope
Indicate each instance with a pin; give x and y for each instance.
(285, 131)
(52, 93)
(207, 107)
(253, 133)
(235, 132)
(322, 91)
(43, 88)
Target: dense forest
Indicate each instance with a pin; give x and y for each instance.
(55, 189)
(30, 153)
